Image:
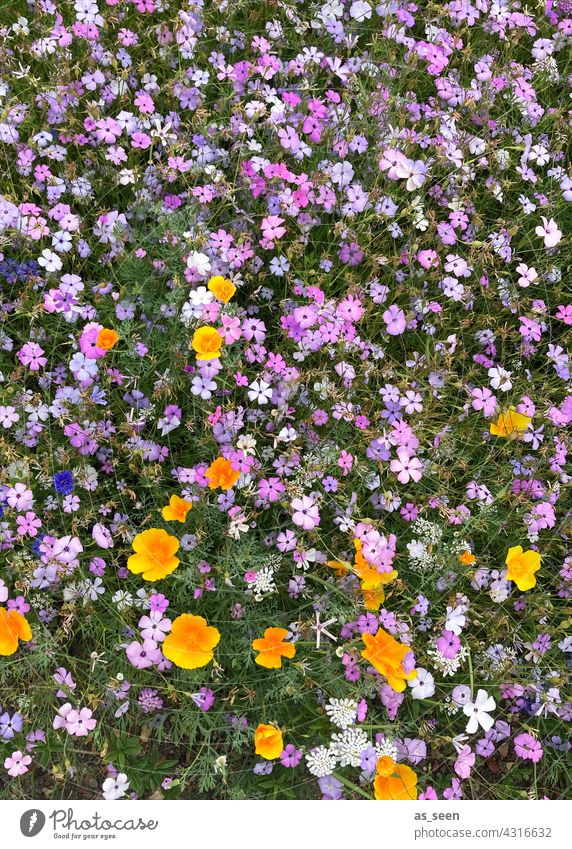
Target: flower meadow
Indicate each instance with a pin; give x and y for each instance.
(285, 398)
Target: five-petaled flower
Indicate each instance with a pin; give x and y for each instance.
(478, 712)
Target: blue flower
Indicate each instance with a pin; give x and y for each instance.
(63, 482)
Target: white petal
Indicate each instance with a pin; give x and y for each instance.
(472, 724)
(485, 721)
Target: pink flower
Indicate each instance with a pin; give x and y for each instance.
(549, 232)
(271, 227)
(428, 258)
(28, 524)
(102, 536)
(88, 342)
(31, 355)
(465, 762)
(154, 627)
(142, 656)
(408, 468)
(306, 514)
(17, 764)
(528, 748)
(80, 723)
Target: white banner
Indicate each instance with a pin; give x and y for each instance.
(182, 824)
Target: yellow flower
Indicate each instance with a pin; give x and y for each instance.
(387, 655)
(268, 742)
(521, 567)
(510, 422)
(13, 627)
(272, 648)
(191, 642)
(222, 289)
(207, 343)
(154, 554)
(396, 782)
(176, 510)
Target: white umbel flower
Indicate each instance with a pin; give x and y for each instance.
(386, 748)
(321, 762)
(349, 745)
(342, 712)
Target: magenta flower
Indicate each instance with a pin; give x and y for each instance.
(31, 355)
(271, 227)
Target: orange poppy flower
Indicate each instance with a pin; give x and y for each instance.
(13, 627)
(268, 742)
(107, 339)
(176, 510)
(466, 558)
(222, 289)
(272, 648)
(154, 554)
(207, 343)
(521, 567)
(510, 422)
(387, 654)
(220, 473)
(191, 642)
(396, 782)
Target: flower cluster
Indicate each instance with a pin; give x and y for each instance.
(285, 398)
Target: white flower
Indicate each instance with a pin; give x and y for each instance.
(115, 788)
(342, 173)
(200, 262)
(360, 10)
(416, 549)
(260, 391)
(349, 745)
(321, 762)
(342, 712)
(423, 685)
(386, 748)
(50, 261)
(500, 378)
(478, 712)
(455, 620)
